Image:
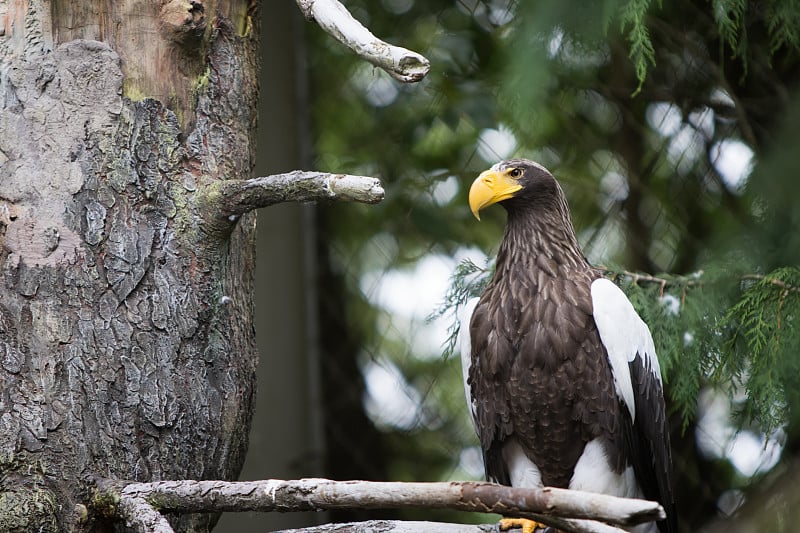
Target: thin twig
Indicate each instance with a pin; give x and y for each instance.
(638, 277)
(401, 63)
(780, 283)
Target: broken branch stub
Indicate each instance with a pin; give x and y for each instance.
(402, 64)
(220, 204)
(231, 198)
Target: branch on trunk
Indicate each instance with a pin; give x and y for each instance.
(402, 64)
(221, 203)
(555, 507)
(236, 197)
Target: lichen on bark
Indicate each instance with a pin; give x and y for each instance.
(23, 510)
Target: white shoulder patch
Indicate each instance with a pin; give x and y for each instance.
(624, 334)
(465, 344)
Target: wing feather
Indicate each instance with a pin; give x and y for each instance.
(637, 378)
(624, 335)
(465, 344)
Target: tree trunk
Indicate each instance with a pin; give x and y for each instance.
(126, 345)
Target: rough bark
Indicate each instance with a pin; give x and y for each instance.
(126, 349)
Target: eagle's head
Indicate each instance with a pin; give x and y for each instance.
(514, 184)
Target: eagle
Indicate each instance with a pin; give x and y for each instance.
(560, 372)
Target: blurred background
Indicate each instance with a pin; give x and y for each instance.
(673, 128)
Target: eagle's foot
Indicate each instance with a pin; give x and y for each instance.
(527, 525)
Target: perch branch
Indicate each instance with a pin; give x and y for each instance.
(394, 526)
(549, 505)
(142, 517)
(402, 64)
(402, 526)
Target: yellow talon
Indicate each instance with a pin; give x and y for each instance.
(528, 526)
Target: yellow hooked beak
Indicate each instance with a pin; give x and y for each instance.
(491, 187)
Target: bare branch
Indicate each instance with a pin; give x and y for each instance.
(400, 526)
(548, 505)
(693, 280)
(142, 517)
(402, 64)
(395, 526)
(224, 201)
(638, 277)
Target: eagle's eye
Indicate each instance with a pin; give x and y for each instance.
(515, 173)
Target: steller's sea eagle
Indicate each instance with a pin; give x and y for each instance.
(561, 374)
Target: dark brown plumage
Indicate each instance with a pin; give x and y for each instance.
(540, 375)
